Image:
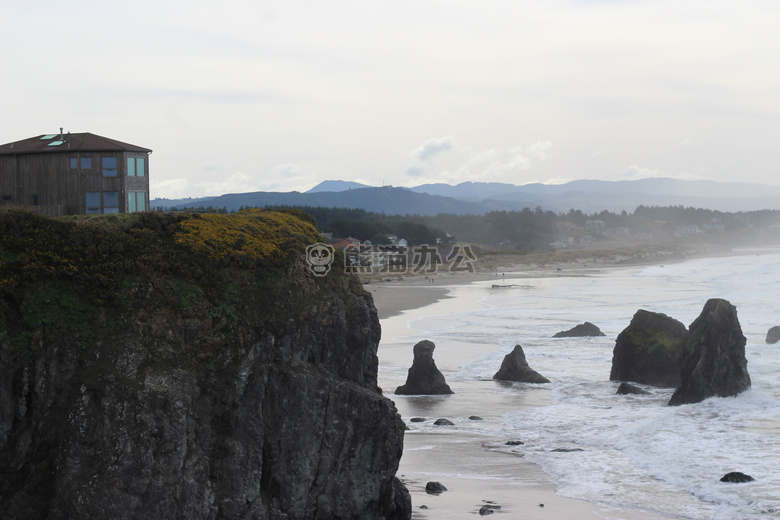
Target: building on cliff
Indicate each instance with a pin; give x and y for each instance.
(68, 174)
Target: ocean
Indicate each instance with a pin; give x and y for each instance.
(631, 452)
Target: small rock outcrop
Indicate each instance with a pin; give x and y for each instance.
(424, 377)
(629, 389)
(773, 335)
(713, 362)
(515, 368)
(580, 331)
(735, 477)
(434, 488)
(648, 350)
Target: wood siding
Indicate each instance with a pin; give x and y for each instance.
(47, 178)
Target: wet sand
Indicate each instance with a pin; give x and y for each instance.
(477, 468)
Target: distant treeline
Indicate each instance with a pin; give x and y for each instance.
(527, 229)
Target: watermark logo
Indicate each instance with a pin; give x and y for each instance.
(392, 259)
(319, 258)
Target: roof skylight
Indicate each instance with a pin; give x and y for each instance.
(49, 136)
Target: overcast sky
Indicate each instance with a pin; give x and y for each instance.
(237, 96)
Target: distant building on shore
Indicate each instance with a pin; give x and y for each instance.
(69, 174)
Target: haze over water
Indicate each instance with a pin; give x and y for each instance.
(625, 451)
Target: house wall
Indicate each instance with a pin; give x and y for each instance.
(47, 183)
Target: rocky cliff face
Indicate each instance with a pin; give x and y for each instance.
(203, 377)
(648, 350)
(713, 360)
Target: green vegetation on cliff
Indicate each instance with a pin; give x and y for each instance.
(60, 271)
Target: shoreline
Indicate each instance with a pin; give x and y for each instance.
(474, 467)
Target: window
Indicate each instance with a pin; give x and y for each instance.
(35, 200)
(111, 202)
(135, 166)
(93, 202)
(136, 201)
(86, 163)
(109, 166)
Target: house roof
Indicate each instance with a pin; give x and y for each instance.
(54, 143)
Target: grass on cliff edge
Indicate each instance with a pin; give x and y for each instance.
(94, 255)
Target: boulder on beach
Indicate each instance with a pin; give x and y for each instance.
(582, 330)
(713, 361)
(736, 477)
(515, 368)
(434, 488)
(773, 335)
(648, 350)
(423, 377)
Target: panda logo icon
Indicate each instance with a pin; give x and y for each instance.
(319, 258)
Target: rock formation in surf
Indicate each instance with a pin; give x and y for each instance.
(188, 366)
(773, 335)
(713, 360)
(648, 350)
(515, 368)
(424, 378)
(582, 330)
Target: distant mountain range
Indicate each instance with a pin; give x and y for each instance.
(589, 196)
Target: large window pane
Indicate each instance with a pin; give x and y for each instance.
(140, 166)
(111, 201)
(93, 202)
(131, 166)
(74, 163)
(86, 163)
(141, 201)
(109, 166)
(130, 201)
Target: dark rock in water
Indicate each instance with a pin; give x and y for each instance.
(486, 510)
(443, 422)
(582, 330)
(434, 488)
(566, 450)
(627, 389)
(514, 443)
(714, 361)
(178, 385)
(773, 335)
(475, 418)
(515, 368)
(736, 477)
(423, 506)
(424, 378)
(648, 350)
(417, 419)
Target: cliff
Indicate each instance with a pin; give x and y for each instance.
(188, 366)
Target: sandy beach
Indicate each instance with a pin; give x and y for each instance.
(470, 465)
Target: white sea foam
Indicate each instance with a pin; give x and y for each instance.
(635, 450)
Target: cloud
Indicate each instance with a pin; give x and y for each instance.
(634, 172)
(433, 147)
(497, 164)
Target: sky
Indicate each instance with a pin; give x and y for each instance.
(239, 96)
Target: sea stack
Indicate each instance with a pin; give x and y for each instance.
(648, 350)
(583, 330)
(515, 368)
(713, 362)
(424, 377)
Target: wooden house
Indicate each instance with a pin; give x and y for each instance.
(68, 174)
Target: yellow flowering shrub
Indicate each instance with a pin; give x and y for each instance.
(247, 237)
